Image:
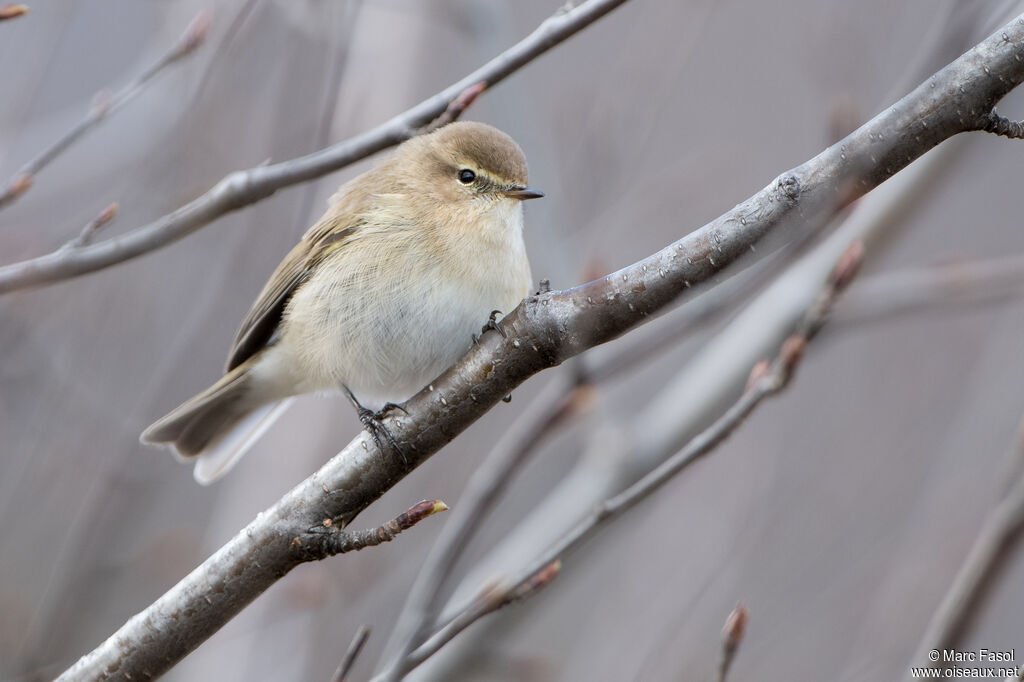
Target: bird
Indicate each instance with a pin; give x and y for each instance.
(380, 296)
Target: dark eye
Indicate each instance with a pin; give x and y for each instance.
(466, 176)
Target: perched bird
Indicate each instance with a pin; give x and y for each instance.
(379, 297)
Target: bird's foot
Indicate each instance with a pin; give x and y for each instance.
(373, 422)
(388, 409)
(491, 324)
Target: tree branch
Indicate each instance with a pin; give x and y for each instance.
(895, 294)
(327, 540)
(488, 601)
(350, 656)
(998, 530)
(766, 379)
(241, 188)
(105, 104)
(509, 454)
(546, 330)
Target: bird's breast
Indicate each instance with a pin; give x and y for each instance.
(392, 310)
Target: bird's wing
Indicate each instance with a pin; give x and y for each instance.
(329, 233)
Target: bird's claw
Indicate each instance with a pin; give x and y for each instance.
(388, 409)
(372, 422)
(493, 324)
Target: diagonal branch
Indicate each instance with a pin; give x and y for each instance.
(766, 380)
(362, 634)
(104, 105)
(544, 331)
(510, 453)
(241, 188)
(992, 543)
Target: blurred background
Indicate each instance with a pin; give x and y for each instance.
(838, 514)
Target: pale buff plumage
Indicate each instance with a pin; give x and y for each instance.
(380, 296)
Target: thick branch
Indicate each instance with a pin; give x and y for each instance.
(544, 331)
(766, 379)
(241, 188)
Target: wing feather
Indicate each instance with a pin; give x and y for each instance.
(333, 231)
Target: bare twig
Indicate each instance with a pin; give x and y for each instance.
(242, 188)
(455, 108)
(93, 226)
(105, 104)
(766, 379)
(489, 601)
(732, 636)
(327, 539)
(345, 667)
(893, 294)
(997, 532)
(546, 330)
(509, 454)
(1000, 125)
(12, 11)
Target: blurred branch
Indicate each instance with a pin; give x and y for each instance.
(893, 294)
(732, 636)
(455, 108)
(245, 187)
(93, 226)
(488, 601)
(546, 330)
(997, 532)
(345, 667)
(105, 104)
(617, 455)
(509, 454)
(766, 379)
(12, 11)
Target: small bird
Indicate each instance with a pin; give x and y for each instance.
(380, 296)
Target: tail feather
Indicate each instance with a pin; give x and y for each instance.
(219, 456)
(217, 426)
(223, 398)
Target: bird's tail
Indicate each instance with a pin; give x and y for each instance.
(217, 426)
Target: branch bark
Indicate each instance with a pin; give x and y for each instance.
(544, 331)
(245, 187)
(766, 380)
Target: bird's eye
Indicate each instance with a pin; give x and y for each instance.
(466, 176)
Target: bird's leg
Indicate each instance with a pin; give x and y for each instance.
(371, 421)
(492, 324)
(488, 326)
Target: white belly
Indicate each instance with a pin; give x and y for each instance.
(385, 323)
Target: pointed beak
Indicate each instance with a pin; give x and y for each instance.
(523, 193)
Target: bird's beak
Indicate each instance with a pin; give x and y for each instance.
(522, 193)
